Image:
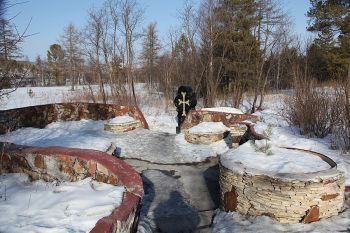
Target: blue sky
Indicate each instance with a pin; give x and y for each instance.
(49, 17)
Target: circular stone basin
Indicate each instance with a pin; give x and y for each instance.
(290, 185)
(121, 124)
(206, 133)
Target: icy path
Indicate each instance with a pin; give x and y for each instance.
(178, 198)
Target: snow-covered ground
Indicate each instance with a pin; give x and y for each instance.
(272, 125)
(43, 207)
(235, 222)
(40, 95)
(280, 134)
(90, 134)
(158, 147)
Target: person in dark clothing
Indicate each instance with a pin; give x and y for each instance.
(184, 101)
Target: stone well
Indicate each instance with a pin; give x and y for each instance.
(122, 126)
(207, 133)
(236, 122)
(55, 163)
(286, 197)
(204, 138)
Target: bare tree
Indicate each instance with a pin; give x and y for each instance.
(41, 70)
(71, 41)
(150, 50)
(94, 39)
(211, 67)
(10, 41)
(270, 32)
(131, 16)
(116, 74)
(190, 24)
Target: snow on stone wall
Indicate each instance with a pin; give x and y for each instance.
(234, 121)
(42, 115)
(289, 198)
(56, 163)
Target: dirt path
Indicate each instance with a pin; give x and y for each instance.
(178, 198)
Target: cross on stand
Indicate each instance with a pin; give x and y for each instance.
(184, 102)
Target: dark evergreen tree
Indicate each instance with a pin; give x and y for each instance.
(55, 58)
(237, 47)
(330, 19)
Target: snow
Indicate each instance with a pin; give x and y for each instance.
(272, 125)
(235, 222)
(224, 109)
(54, 207)
(121, 120)
(265, 156)
(41, 95)
(160, 144)
(84, 134)
(208, 128)
(162, 122)
(141, 144)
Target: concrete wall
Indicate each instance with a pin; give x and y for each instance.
(54, 163)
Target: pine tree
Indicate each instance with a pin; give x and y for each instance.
(237, 46)
(55, 58)
(330, 19)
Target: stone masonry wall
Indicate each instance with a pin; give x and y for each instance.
(124, 127)
(286, 197)
(42, 115)
(204, 138)
(62, 164)
(235, 122)
(229, 119)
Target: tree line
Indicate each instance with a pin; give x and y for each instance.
(224, 49)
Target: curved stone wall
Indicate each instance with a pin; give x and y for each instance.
(241, 131)
(41, 115)
(202, 138)
(55, 163)
(289, 198)
(229, 119)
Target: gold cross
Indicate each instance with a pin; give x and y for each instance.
(184, 102)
